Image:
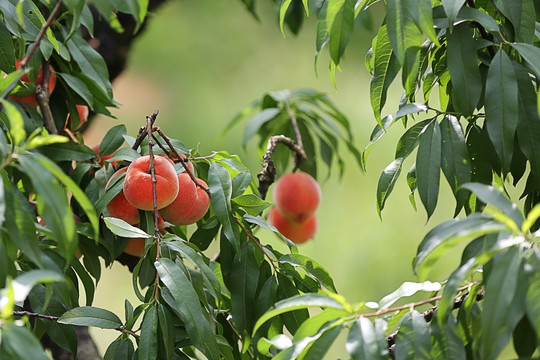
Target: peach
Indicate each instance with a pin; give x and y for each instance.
(297, 196)
(119, 207)
(101, 159)
(191, 203)
(296, 232)
(31, 99)
(83, 112)
(138, 183)
(135, 247)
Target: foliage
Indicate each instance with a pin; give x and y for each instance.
(471, 66)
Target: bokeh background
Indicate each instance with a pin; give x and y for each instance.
(200, 63)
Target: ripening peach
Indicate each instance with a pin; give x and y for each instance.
(31, 99)
(138, 183)
(296, 232)
(135, 247)
(297, 196)
(191, 203)
(119, 207)
(82, 111)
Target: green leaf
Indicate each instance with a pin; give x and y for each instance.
(452, 7)
(314, 269)
(282, 11)
(264, 116)
(489, 195)
(463, 66)
(53, 205)
(531, 54)
(78, 86)
(242, 283)
(498, 300)
(322, 33)
(16, 122)
(472, 14)
(363, 342)
(449, 234)
(528, 128)
(251, 203)
(185, 303)
(455, 160)
(386, 69)
(501, 104)
(410, 139)
(211, 281)
(121, 228)
(428, 166)
(120, 349)
(219, 181)
(7, 51)
(24, 283)
(76, 191)
(522, 16)
(413, 340)
(303, 301)
(386, 182)
(340, 24)
(112, 140)
(148, 342)
(90, 63)
(91, 316)
(18, 342)
(407, 289)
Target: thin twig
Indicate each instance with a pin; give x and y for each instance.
(43, 95)
(237, 334)
(41, 34)
(267, 175)
(256, 242)
(183, 162)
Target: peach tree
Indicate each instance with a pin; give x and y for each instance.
(469, 73)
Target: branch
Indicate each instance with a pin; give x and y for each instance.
(43, 96)
(267, 175)
(428, 314)
(41, 34)
(256, 242)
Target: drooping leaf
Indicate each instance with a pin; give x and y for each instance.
(463, 66)
(498, 300)
(121, 228)
(428, 166)
(387, 181)
(314, 269)
(521, 14)
(531, 54)
(148, 342)
(363, 342)
(501, 104)
(413, 338)
(91, 316)
(340, 24)
(185, 302)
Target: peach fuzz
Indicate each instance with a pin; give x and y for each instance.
(138, 183)
(297, 196)
(191, 203)
(31, 99)
(296, 232)
(119, 207)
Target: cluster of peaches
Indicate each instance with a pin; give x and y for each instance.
(178, 199)
(31, 99)
(296, 198)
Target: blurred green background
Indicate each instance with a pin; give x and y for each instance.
(199, 63)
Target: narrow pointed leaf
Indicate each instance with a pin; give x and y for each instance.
(386, 182)
(91, 316)
(413, 340)
(501, 103)
(340, 24)
(362, 342)
(428, 167)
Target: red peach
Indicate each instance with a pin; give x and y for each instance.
(296, 232)
(31, 99)
(138, 183)
(135, 247)
(297, 196)
(191, 203)
(119, 207)
(83, 111)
